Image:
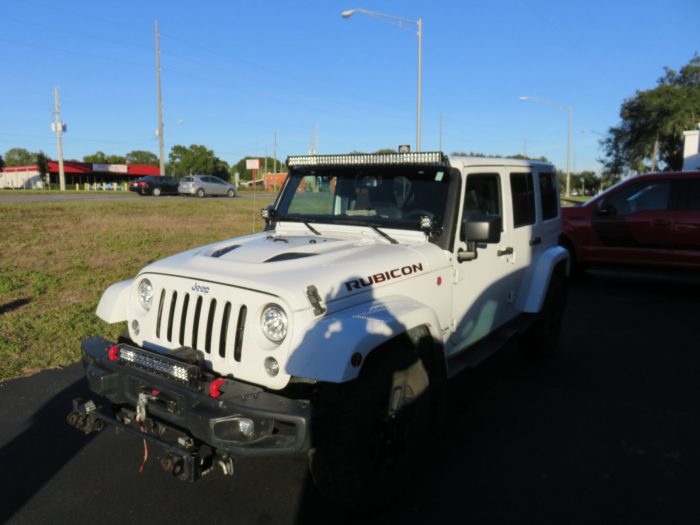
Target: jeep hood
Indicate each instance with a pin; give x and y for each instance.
(284, 265)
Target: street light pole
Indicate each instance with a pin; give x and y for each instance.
(570, 111)
(400, 21)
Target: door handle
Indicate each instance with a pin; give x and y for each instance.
(506, 251)
(536, 240)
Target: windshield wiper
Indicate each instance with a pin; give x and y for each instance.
(305, 222)
(368, 225)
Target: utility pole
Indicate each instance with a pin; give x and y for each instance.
(568, 154)
(160, 105)
(312, 144)
(419, 22)
(274, 134)
(58, 128)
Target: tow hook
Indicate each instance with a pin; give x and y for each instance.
(225, 463)
(192, 466)
(83, 418)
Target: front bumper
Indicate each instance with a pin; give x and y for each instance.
(280, 424)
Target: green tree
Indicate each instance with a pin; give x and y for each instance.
(42, 162)
(19, 157)
(652, 124)
(142, 157)
(2, 163)
(196, 159)
(116, 159)
(96, 158)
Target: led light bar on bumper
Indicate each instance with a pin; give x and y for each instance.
(369, 159)
(156, 364)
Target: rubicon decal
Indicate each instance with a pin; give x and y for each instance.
(383, 276)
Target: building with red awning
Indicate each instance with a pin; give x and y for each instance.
(76, 173)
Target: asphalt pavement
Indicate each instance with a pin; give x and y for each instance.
(606, 431)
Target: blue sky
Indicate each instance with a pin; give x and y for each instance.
(236, 72)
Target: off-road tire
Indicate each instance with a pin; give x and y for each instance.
(542, 337)
(200, 193)
(156, 192)
(364, 456)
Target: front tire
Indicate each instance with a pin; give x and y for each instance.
(200, 193)
(230, 194)
(371, 434)
(156, 192)
(542, 338)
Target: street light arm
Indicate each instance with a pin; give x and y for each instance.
(543, 101)
(397, 21)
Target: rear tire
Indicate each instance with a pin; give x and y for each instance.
(156, 192)
(365, 452)
(200, 193)
(542, 338)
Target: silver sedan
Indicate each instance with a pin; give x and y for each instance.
(202, 185)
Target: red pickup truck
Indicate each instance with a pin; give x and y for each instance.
(647, 220)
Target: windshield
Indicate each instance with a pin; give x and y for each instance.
(394, 197)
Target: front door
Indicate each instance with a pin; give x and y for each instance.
(634, 224)
(484, 288)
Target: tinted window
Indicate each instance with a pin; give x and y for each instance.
(549, 196)
(642, 196)
(523, 199)
(186, 179)
(482, 195)
(689, 194)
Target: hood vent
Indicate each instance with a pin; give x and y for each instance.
(289, 256)
(225, 250)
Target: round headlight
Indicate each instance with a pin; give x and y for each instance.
(146, 293)
(274, 323)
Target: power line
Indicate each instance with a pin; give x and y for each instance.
(71, 52)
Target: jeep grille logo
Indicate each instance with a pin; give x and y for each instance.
(200, 289)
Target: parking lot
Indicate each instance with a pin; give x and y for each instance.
(605, 431)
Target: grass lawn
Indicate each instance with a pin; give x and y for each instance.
(56, 259)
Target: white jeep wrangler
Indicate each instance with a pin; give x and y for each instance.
(334, 331)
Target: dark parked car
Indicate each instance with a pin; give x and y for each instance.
(154, 185)
(648, 220)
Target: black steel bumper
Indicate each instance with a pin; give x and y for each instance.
(279, 424)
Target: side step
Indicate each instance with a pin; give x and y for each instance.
(472, 356)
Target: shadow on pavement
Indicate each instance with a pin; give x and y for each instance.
(32, 458)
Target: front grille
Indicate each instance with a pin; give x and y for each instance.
(202, 323)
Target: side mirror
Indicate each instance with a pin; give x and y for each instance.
(604, 209)
(481, 228)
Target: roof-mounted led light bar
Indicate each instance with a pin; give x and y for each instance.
(436, 158)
